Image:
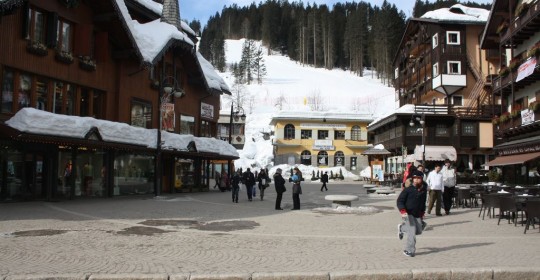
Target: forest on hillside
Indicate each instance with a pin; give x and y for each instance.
(349, 35)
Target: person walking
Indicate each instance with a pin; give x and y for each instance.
(412, 206)
(263, 180)
(324, 180)
(297, 189)
(249, 180)
(235, 183)
(279, 183)
(449, 180)
(435, 188)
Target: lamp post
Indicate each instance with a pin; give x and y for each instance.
(421, 120)
(166, 90)
(236, 115)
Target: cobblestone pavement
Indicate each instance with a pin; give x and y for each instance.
(207, 233)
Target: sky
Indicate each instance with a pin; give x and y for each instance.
(202, 10)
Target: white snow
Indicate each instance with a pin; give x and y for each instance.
(466, 14)
(364, 210)
(296, 83)
(35, 121)
(212, 78)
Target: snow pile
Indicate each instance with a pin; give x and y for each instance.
(308, 170)
(361, 210)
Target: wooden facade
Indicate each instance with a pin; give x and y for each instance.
(79, 58)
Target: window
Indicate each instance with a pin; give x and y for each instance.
(41, 94)
(434, 101)
(322, 134)
(141, 114)
(339, 134)
(305, 134)
(36, 26)
(305, 157)
(436, 69)
(454, 67)
(457, 100)
(356, 133)
(289, 131)
(70, 99)
(98, 104)
(7, 91)
(322, 158)
(63, 36)
(468, 129)
(339, 158)
(435, 40)
(452, 38)
(396, 73)
(24, 90)
(414, 130)
(441, 130)
(187, 124)
(84, 102)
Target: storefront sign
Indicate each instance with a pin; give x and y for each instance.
(323, 145)
(207, 110)
(167, 116)
(520, 150)
(323, 125)
(527, 116)
(526, 69)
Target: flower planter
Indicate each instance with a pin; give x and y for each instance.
(37, 49)
(88, 66)
(64, 57)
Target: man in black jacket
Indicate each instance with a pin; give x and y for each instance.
(412, 206)
(324, 180)
(279, 182)
(249, 180)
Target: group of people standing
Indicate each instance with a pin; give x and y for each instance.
(249, 179)
(439, 185)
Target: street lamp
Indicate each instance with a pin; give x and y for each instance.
(237, 116)
(167, 88)
(421, 120)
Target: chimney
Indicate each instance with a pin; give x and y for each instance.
(171, 13)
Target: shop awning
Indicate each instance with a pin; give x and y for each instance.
(513, 159)
(435, 153)
(374, 151)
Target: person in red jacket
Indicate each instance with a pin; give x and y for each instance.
(412, 206)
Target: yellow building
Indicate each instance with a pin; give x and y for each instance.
(321, 139)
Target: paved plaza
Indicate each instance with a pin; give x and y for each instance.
(206, 234)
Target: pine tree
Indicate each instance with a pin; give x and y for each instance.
(246, 62)
(258, 65)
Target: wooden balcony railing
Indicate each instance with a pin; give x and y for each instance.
(517, 29)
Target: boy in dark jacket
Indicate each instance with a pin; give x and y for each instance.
(412, 206)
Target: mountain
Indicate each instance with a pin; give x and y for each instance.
(296, 85)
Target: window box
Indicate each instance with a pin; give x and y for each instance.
(64, 57)
(495, 120)
(534, 106)
(505, 117)
(87, 63)
(37, 48)
(514, 64)
(504, 71)
(534, 51)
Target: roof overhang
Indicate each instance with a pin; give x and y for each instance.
(513, 159)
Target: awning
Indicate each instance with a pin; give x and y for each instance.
(513, 159)
(374, 151)
(435, 153)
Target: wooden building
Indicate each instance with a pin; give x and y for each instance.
(513, 33)
(440, 69)
(111, 60)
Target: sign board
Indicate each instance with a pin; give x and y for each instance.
(323, 125)
(207, 111)
(323, 145)
(526, 69)
(377, 171)
(167, 116)
(527, 116)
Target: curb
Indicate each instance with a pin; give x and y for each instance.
(499, 273)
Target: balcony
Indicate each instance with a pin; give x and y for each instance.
(523, 27)
(502, 83)
(515, 125)
(449, 83)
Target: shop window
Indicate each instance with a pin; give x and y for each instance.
(441, 130)
(454, 67)
(322, 134)
(25, 86)
(7, 91)
(133, 174)
(289, 131)
(58, 98)
(187, 124)
(41, 94)
(306, 134)
(64, 36)
(452, 38)
(70, 99)
(141, 114)
(339, 134)
(356, 133)
(468, 129)
(322, 158)
(305, 157)
(339, 158)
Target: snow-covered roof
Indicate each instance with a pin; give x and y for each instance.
(405, 109)
(33, 121)
(458, 13)
(153, 38)
(158, 9)
(316, 115)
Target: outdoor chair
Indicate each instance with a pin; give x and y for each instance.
(507, 209)
(533, 212)
(464, 197)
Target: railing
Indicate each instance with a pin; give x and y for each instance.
(520, 22)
